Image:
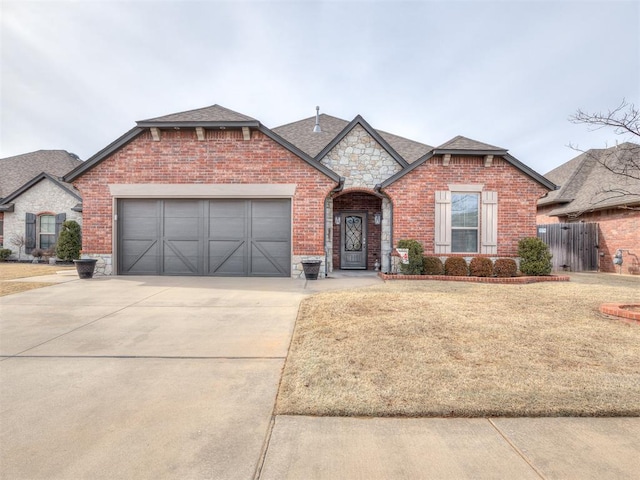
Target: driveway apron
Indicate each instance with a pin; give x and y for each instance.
(142, 377)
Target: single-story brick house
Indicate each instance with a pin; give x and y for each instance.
(34, 201)
(600, 186)
(214, 192)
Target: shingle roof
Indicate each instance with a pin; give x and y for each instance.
(213, 113)
(463, 143)
(587, 184)
(20, 169)
(301, 135)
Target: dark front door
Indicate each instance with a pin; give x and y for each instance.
(353, 241)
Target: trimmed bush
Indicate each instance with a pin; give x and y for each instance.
(456, 267)
(535, 257)
(481, 267)
(432, 266)
(505, 267)
(414, 267)
(4, 254)
(69, 241)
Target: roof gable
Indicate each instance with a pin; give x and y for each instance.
(371, 131)
(214, 114)
(460, 143)
(301, 134)
(20, 169)
(37, 179)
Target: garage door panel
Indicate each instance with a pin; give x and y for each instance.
(205, 237)
(227, 258)
(269, 258)
(141, 257)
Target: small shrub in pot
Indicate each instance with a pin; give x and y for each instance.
(456, 267)
(432, 266)
(481, 267)
(505, 267)
(37, 253)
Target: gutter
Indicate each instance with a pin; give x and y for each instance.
(333, 191)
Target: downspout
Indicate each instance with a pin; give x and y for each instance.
(335, 190)
(378, 189)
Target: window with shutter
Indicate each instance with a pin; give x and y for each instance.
(466, 221)
(30, 232)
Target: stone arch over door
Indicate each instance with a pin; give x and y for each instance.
(354, 204)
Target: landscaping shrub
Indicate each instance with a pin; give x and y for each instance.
(535, 257)
(432, 266)
(414, 267)
(456, 267)
(69, 241)
(505, 267)
(481, 267)
(4, 254)
(37, 253)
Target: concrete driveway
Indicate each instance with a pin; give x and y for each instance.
(144, 377)
(174, 377)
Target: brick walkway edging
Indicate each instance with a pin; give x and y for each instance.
(618, 310)
(503, 280)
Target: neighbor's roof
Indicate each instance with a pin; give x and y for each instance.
(214, 114)
(19, 170)
(588, 183)
(301, 135)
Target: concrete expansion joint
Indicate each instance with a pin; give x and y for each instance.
(265, 448)
(519, 452)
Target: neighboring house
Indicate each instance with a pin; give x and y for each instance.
(592, 192)
(34, 201)
(214, 192)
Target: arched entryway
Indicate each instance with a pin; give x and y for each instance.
(357, 231)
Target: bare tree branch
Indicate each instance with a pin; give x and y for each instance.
(624, 119)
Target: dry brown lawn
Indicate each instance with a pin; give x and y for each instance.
(461, 349)
(12, 271)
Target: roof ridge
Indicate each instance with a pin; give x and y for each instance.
(201, 109)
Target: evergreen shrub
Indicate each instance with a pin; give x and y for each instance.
(432, 266)
(414, 267)
(456, 267)
(481, 267)
(505, 267)
(69, 241)
(4, 254)
(535, 257)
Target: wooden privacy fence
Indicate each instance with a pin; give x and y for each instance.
(574, 245)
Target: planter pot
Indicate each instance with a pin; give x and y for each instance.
(311, 269)
(85, 267)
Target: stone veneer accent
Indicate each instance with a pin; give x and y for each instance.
(360, 160)
(103, 265)
(44, 197)
(364, 163)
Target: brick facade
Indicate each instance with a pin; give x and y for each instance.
(413, 198)
(223, 157)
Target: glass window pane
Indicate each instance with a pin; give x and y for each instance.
(463, 241)
(47, 224)
(47, 241)
(464, 210)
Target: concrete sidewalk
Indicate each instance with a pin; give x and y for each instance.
(176, 377)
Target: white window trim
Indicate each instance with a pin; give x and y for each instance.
(479, 220)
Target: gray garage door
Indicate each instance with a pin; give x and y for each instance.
(224, 237)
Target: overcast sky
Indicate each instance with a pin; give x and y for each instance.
(77, 74)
